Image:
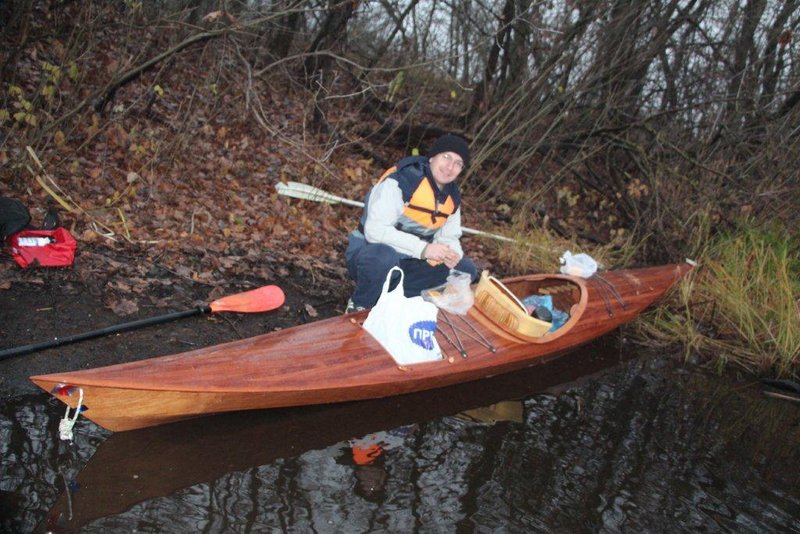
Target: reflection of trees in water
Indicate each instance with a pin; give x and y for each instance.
(660, 447)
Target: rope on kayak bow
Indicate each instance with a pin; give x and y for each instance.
(66, 424)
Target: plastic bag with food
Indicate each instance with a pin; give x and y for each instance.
(581, 265)
(455, 296)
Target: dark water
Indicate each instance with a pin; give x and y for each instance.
(647, 445)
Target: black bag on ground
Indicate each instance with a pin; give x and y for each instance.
(51, 219)
(14, 216)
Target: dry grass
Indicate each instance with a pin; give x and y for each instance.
(539, 250)
(741, 307)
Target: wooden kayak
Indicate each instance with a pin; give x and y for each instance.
(336, 360)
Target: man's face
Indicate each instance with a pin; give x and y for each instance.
(446, 167)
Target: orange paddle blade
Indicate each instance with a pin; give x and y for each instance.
(256, 300)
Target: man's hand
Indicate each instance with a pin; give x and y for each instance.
(439, 252)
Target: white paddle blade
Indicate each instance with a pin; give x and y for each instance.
(306, 193)
(309, 192)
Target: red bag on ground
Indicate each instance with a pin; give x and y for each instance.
(47, 248)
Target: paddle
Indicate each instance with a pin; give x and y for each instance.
(308, 192)
(262, 299)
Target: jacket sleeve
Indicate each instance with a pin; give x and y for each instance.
(450, 233)
(383, 211)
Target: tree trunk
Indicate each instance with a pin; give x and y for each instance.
(516, 54)
(482, 88)
(331, 35)
(398, 28)
(740, 88)
(777, 46)
(286, 28)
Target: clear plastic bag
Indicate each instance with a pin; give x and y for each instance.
(455, 296)
(581, 265)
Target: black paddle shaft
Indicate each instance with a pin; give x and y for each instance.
(58, 341)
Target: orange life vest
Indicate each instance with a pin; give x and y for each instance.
(425, 206)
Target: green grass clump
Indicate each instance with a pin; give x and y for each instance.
(742, 306)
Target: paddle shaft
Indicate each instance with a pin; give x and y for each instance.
(308, 192)
(58, 341)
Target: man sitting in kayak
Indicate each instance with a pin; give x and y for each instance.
(411, 219)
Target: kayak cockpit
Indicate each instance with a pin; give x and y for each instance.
(508, 304)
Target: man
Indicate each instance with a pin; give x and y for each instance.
(411, 219)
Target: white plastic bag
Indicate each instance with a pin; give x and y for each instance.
(455, 296)
(405, 327)
(581, 265)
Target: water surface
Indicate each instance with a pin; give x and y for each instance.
(647, 445)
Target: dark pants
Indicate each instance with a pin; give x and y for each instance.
(368, 264)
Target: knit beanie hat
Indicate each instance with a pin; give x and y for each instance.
(450, 143)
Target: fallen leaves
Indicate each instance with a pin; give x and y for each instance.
(189, 181)
(122, 307)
